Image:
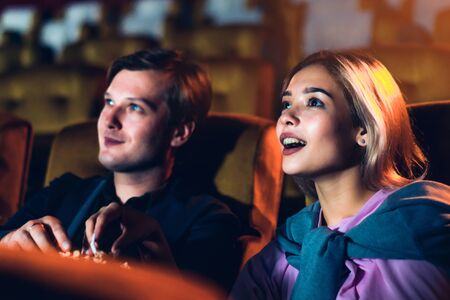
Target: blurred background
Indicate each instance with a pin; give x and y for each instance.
(54, 53)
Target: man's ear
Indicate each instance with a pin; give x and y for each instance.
(361, 137)
(182, 133)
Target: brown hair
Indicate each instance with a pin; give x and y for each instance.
(188, 92)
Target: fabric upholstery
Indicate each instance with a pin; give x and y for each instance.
(234, 157)
(431, 124)
(242, 86)
(441, 30)
(217, 41)
(421, 71)
(51, 97)
(102, 51)
(32, 275)
(16, 137)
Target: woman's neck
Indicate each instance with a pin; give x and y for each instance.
(341, 194)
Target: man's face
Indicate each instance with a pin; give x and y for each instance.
(133, 129)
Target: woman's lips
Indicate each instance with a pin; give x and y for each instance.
(112, 142)
(289, 151)
(293, 143)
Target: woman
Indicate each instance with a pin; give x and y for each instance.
(377, 231)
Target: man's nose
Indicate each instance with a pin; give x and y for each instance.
(113, 118)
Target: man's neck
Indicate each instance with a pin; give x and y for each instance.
(136, 184)
(342, 195)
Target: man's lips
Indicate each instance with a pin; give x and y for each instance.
(109, 141)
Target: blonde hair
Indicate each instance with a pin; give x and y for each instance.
(392, 157)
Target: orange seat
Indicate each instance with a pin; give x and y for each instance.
(16, 137)
(33, 275)
(441, 30)
(234, 157)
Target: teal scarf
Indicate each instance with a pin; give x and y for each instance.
(409, 224)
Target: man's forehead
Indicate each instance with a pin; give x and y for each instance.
(146, 83)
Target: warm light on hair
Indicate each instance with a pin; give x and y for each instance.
(392, 157)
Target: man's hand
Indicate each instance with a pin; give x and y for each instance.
(135, 228)
(45, 234)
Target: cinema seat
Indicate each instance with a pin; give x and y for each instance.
(243, 86)
(33, 275)
(431, 125)
(231, 41)
(100, 52)
(441, 30)
(421, 71)
(16, 138)
(51, 97)
(235, 157)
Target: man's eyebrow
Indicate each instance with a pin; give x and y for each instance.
(317, 90)
(146, 101)
(286, 93)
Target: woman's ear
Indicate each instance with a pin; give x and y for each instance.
(361, 137)
(182, 133)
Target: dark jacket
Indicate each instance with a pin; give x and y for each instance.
(201, 231)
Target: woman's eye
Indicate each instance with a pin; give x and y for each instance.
(314, 102)
(285, 105)
(135, 107)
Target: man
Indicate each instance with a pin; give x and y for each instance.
(154, 101)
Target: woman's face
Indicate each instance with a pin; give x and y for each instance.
(315, 126)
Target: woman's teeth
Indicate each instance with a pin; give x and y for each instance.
(293, 143)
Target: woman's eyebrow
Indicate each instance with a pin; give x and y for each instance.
(317, 90)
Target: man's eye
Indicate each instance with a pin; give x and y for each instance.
(109, 102)
(314, 102)
(135, 107)
(285, 105)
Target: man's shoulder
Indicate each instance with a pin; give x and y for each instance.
(69, 183)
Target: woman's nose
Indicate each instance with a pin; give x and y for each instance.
(289, 118)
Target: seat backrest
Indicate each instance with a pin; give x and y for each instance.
(22, 277)
(431, 124)
(51, 97)
(245, 41)
(101, 52)
(421, 71)
(242, 85)
(441, 30)
(234, 157)
(16, 137)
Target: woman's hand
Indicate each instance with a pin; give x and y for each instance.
(45, 234)
(135, 228)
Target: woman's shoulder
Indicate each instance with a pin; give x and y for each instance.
(267, 275)
(424, 189)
